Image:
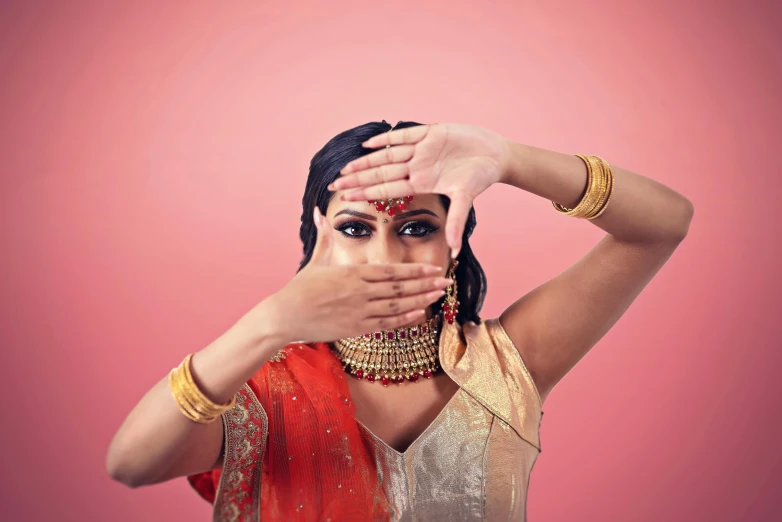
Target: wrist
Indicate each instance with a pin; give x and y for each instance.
(516, 164)
(265, 326)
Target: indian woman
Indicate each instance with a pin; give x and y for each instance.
(368, 387)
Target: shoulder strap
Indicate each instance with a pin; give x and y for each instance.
(482, 359)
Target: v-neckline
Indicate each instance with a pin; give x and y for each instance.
(443, 328)
(420, 435)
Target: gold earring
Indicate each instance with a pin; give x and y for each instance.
(451, 304)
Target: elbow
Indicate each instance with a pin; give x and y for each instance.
(120, 468)
(677, 224)
(687, 213)
(120, 475)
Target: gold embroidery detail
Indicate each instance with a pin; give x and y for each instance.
(279, 356)
(246, 429)
(280, 383)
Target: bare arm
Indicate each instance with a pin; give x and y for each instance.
(156, 442)
(556, 324)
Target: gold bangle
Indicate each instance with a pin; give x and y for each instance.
(190, 399)
(202, 400)
(592, 199)
(201, 409)
(579, 210)
(610, 190)
(184, 405)
(598, 196)
(600, 181)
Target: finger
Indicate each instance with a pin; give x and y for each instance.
(397, 272)
(399, 136)
(380, 157)
(321, 253)
(400, 305)
(458, 211)
(394, 189)
(387, 289)
(373, 176)
(374, 324)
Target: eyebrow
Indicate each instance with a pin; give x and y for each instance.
(397, 217)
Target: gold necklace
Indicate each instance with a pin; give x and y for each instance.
(392, 355)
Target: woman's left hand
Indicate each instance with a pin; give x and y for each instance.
(456, 160)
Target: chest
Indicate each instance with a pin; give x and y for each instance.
(466, 465)
(400, 414)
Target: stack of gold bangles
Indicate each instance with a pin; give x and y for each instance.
(600, 185)
(191, 400)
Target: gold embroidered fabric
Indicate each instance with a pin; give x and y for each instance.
(472, 463)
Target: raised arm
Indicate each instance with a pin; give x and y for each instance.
(557, 323)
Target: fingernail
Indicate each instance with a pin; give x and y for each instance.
(316, 216)
(430, 269)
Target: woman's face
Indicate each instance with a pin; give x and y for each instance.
(415, 235)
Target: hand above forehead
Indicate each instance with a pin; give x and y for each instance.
(456, 160)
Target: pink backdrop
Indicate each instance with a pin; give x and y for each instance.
(153, 160)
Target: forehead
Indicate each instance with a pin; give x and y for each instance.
(428, 201)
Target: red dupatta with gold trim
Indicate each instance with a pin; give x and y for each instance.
(293, 449)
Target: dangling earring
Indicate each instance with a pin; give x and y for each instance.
(451, 304)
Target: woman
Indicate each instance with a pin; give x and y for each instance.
(400, 403)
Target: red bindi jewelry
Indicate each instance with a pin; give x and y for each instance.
(392, 205)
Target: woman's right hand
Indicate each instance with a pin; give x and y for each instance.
(325, 302)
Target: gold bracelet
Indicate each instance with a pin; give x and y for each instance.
(177, 383)
(190, 399)
(591, 197)
(184, 405)
(192, 402)
(600, 183)
(201, 401)
(608, 191)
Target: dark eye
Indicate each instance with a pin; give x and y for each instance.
(354, 229)
(418, 229)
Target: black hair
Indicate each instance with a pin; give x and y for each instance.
(324, 169)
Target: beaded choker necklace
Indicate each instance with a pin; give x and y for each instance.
(392, 355)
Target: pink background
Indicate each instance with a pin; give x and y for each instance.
(153, 161)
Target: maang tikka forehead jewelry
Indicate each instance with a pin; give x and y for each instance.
(391, 205)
